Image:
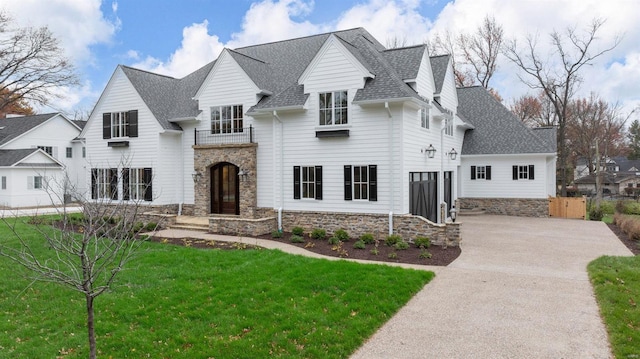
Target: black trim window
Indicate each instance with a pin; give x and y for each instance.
(69, 152)
(334, 108)
(424, 117)
(47, 149)
(523, 172)
(120, 124)
(307, 182)
(361, 183)
(104, 183)
(136, 184)
(226, 119)
(481, 172)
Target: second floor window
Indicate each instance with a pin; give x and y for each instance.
(119, 124)
(448, 130)
(333, 108)
(424, 117)
(226, 119)
(47, 149)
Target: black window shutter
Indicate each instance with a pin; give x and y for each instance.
(296, 182)
(318, 182)
(133, 123)
(106, 125)
(113, 183)
(531, 172)
(126, 193)
(94, 183)
(348, 193)
(473, 172)
(515, 173)
(148, 188)
(373, 182)
(488, 172)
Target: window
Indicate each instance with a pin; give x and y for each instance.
(448, 130)
(333, 108)
(307, 182)
(136, 184)
(226, 119)
(4, 182)
(481, 172)
(361, 183)
(69, 152)
(523, 172)
(120, 124)
(104, 183)
(424, 117)
(47, 149)
(35, 182)
(84, 152)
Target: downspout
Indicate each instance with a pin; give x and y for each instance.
(180, 203)
(391, 177)
(281, 202)
(441, 172)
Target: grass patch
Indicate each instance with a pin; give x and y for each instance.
(180, 302)
(616, 281)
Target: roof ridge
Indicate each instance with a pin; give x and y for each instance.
(247, 56)
(435, 56)
(405, 48)
(149, 72)
(300, 38)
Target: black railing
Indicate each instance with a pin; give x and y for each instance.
(208, 137)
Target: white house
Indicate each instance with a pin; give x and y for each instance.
(39, 155)
(332, 130)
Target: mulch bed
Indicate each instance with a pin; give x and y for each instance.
(633, 245)
(440, 256)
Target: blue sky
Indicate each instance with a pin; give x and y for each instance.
(177, 37)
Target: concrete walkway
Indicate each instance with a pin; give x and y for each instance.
(519, 290)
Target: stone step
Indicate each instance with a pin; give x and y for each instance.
(472, 212)
(190, 227)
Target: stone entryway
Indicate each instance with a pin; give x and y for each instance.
(225, 189)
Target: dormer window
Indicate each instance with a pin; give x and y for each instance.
(120, 124)
(333, 108)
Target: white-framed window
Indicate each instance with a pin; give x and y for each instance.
(226, 119)
(307, 182)
(360, 182)
(523, 172)
(448, 129)
(424, 117)
(4, 182)
(35, 182)
(481, 172)
(119, 124)
(136, 185)
(69, 152)
(47, 149)
(333, 108)
(104, 183)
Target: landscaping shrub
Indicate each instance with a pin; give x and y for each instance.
(276, 234)
(359, 244)
(402, 245)
(628, 224)
(596, 214)
(342, 235)
(296, 239)
(151, 226)
(318, 234)
(424, 254)
(334, 240)
(298, 231)
(392, 240)
(367, 238)
(422, 242)
(628, 207)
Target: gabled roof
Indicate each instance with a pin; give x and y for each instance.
(608, 178)
(496, 129)
(626, 164)
(406, 60)
(439, 65)
(10, 158)
(13, 127)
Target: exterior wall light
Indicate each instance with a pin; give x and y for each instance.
(196, 176)
(453, 213)
(453, 154)
(243, 175)
(431, 151)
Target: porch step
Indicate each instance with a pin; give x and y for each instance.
(471, 212)
(191, 223)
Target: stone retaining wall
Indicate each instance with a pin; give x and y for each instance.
(242, 226)
(522, 207)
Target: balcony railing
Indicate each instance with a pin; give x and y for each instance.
(206, 137)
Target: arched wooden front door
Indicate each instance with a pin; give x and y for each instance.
(225, 189)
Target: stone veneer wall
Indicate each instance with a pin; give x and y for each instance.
(407, 226)
(242, 226)
(241, 155)
(522, 207)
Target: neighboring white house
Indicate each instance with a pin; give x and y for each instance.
(37, 155)
(330, 130)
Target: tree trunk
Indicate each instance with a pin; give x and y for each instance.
(90, 327)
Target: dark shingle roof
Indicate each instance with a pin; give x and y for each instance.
(11, 157)
(496, 129)
(626, 164)
(16, 126)
(608, 178)
(405, 60)
(439, 66)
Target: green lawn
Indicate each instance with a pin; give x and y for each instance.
(616, 282)
(178, 302)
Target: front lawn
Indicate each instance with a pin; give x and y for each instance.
(181, 302)
(616, 282)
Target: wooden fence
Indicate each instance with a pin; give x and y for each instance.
(568, 207)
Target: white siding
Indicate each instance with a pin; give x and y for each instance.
(448, 94)
(333, 69)
(425, 83)
(143, 151)
(19, 194)
(502, 184)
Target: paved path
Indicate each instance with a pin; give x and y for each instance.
(519, 290)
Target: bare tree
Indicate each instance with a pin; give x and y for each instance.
(396, 42)
(558, 75)
(535, 111)
(32, 65)
(87, 251)
(481, 49)
(444, 44)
